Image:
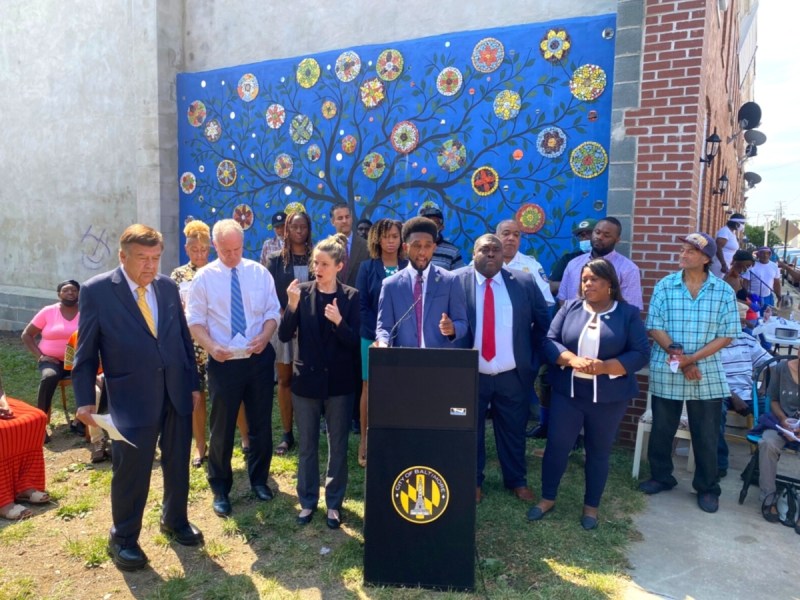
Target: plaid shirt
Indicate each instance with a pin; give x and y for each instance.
(271, 245)
(693, 322)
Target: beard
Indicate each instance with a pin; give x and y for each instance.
(602, 251)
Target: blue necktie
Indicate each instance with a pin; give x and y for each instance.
(238, 322)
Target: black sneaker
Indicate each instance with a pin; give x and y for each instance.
(708, 502)
(651, 486)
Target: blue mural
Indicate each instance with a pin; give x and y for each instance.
(503, 123)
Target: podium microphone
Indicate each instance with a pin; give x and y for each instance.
(393, 332)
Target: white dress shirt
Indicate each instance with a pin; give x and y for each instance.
(503, 326)
(528, 264)
(149, 295)
(425, 274)
(210, 299)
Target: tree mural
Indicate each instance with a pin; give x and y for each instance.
(489, 125)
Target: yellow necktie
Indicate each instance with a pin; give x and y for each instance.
(141, 301)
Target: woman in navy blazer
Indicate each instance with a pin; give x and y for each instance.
(597, 343)
(386, 254)
(325, 315)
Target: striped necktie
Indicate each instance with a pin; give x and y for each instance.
(141, 302)
(238, 322)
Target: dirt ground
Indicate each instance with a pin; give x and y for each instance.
(52, 555)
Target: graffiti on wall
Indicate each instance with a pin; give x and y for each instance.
(504, 123)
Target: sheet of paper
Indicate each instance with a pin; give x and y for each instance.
(107, 423)
(238, 346)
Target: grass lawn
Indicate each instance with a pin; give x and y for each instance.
(261, 553)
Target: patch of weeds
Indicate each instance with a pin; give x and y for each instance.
(215, 549)
(15, 533)
(79, 467)
(17, 588)
(58, 493)
(93, 551)
(60, 477)
(75, 510)
(101, 480)
(179, 586)
(240, 587)
(162, 540)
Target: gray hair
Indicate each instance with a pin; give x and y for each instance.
(226, 226)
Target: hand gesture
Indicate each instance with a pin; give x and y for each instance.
(446, 326)
(293, 292)
(581, 363)
(332, 313)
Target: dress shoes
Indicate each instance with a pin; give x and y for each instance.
(188, 535)
(305, 519)
(263, 492)
(334, 522)
(537, 514)
(524, 493)
(588, 523)
(131, 558)
(221, 505)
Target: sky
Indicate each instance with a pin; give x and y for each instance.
(777, 84)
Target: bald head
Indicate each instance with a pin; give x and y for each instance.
(510, 235)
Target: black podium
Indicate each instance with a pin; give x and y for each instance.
(419, 521)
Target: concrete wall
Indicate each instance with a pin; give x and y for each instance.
(85, 112)
(89, 120)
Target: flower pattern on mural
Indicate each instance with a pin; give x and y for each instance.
(375, 122)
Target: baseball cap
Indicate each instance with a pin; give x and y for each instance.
(430, 209)
(585, 225)
(278, 218)
(743, 255)
(703, 242)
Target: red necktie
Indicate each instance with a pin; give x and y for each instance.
(488, 350)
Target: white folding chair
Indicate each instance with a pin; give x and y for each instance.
(643, 435)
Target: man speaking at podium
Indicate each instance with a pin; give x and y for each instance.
(508, 320)
(421, 306)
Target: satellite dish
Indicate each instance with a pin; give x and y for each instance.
(752, 178)
(755, 137)
(749, 115)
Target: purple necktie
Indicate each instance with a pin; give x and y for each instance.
(418, 308)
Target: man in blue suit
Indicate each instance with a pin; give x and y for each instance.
(508, 321)
(132, 320)
(421, 306)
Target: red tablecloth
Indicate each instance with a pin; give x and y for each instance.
(21, 455)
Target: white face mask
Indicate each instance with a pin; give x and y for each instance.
(585, 245)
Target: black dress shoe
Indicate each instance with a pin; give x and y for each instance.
(221, 506)
(588, 523)
(188, 535)
(306, 519)
(127, 559)
(263, 492)
(333, 522)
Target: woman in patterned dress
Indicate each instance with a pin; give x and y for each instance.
(198, 244)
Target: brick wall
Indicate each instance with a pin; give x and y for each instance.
(686, 86)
